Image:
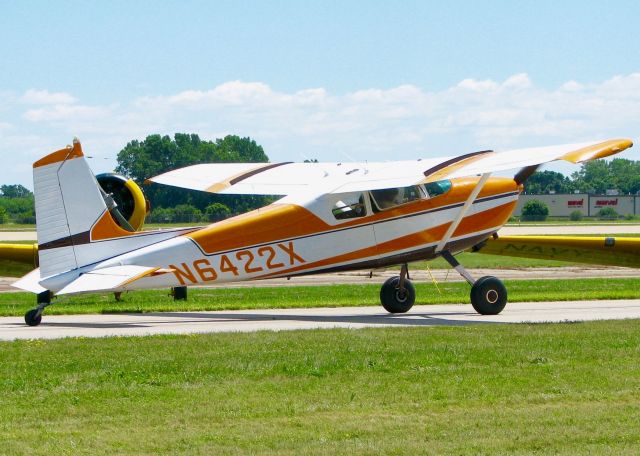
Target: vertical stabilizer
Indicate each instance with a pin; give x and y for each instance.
(68, 203)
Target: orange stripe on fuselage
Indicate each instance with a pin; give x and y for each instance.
(286, 221)
(481, 221)
(401, 243)
(484, 220)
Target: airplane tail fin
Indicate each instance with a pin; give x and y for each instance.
(68, 204)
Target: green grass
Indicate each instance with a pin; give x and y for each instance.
(319, 296)
(485, 389)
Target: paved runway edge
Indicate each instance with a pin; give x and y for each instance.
(143, 324)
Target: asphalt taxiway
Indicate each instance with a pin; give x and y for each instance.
(143, 324)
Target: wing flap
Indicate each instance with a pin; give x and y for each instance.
(111, 278)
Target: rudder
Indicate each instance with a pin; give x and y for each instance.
(68, 202)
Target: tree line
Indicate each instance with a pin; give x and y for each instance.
(156, 154)
(595, 177)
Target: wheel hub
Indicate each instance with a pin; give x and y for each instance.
(401, 295)
(492, 296)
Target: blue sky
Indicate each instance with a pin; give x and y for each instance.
(370, 80)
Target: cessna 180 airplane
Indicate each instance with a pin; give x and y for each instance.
(332, 217)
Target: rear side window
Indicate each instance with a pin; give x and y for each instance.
(350, 206)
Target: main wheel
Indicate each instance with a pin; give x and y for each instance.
(33, 317)
(395, 300)
(488, 295)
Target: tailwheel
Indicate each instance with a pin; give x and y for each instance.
(398, 294)
(488, 295)
(33, 317)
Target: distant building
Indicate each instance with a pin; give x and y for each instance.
(562, 205)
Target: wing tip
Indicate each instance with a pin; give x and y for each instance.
(599, 150)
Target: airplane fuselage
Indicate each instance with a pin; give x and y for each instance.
(285, 240)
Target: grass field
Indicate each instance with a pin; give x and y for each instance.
(485, 389)
(319, 296)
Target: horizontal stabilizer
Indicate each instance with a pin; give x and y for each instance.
(30, 282)
(106, 279)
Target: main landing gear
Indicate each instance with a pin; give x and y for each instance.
(33, 317)
(488, 294)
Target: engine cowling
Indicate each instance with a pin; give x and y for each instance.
(131, 202)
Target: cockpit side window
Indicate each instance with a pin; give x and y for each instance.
(390, 197)
(437, 188)
(350, 206)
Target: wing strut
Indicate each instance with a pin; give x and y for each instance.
(467, 205)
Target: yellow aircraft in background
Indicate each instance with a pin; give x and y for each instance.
(600, 250)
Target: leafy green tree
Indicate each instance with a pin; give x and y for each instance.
(3, 216)
(186, 213)
(216, 211)
(625, 175)
(161, 215)
(599, 176)
(535, 210)
(19, 209)
(543, 182)
(158, 154)
(15, 191)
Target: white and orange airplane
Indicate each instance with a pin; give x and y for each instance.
(332, 217)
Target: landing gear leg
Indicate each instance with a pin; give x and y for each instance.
(488, 294)
(34, 316)
(397, 294)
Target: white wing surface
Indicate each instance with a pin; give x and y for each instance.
(292, 178)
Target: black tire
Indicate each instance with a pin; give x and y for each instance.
(395, 301)
(488, 295)
(33, 317)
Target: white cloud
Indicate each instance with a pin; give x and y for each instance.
(33, 96)
(67, 113)
(368, 124)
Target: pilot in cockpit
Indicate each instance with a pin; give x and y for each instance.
(388, 197)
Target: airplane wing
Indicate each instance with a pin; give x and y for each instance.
(110, 278)
(290, 178)
(611, 251)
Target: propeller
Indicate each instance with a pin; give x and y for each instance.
(525, 173)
